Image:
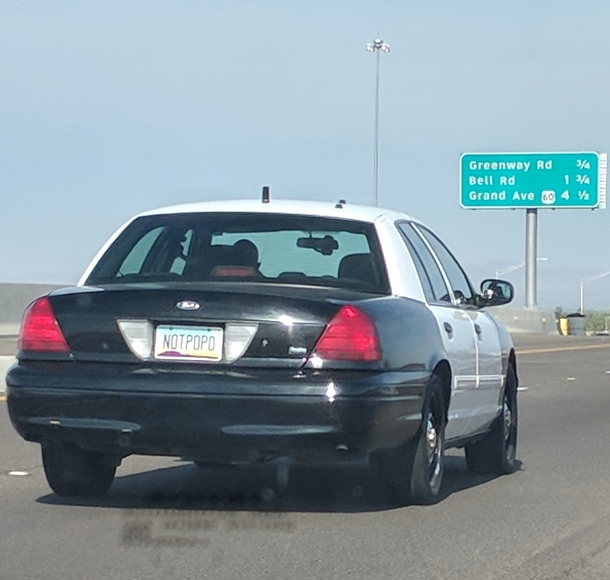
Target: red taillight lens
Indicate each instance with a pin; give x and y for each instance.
(350, 335)
(40, 330)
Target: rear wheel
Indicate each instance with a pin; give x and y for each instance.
(496, 452)
(415, 472)
(428, 463)
(72, 471)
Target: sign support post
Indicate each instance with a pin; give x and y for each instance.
(531, 253)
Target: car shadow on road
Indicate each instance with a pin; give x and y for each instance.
(458, 478)
(336, 488)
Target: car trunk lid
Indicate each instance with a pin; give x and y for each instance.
(249, 324)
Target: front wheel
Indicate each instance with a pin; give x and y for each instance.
(496, 452)
(72, 471)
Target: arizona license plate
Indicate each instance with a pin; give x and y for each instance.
(188, 343)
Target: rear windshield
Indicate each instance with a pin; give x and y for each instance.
(268, 249)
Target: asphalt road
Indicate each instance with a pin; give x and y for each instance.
(167, 519)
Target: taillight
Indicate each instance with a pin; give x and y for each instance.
(350, 335)
(40, 330)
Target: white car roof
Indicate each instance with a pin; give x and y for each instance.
(296, 207)
(379, 216)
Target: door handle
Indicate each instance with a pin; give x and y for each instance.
(478, 329)
(448, 327)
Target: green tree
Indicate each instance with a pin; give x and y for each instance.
(596, 321)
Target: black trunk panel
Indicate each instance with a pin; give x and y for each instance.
(290, 320)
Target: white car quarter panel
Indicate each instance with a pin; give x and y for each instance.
(403, 277)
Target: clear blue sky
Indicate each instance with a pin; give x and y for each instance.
(108, 108)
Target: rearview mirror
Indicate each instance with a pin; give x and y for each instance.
(325, 246)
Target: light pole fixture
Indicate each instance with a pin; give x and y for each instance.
(377, 46)
(584, 281)
(503, 271)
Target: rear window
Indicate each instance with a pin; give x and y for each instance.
(262, 248)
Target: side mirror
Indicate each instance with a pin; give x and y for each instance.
(495, 292)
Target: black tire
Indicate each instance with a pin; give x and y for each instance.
(72, 471)
(414, 473)
(428, 464)
(496, 452)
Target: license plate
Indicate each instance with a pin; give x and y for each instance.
(188, 343)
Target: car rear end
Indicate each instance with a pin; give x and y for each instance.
(183, 342)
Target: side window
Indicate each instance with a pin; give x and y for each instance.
(462, 289)
(430, 275)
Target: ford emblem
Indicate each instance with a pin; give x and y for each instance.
(188, 305)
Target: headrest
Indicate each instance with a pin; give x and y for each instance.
(357, 266)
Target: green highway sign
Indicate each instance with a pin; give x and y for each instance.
(533, 180)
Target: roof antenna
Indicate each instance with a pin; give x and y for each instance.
(266, 194)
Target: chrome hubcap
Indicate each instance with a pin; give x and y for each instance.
(508, 421)
(431, 440)
(434, 450)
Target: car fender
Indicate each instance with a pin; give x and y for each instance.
(408, 333)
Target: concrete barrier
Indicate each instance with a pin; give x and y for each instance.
(14, 299)
(531, 320)
(5, 363)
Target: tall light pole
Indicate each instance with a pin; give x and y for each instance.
(584, 281)
(377, 46)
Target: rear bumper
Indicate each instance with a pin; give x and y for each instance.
(224, 417)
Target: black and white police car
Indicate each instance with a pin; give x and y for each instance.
(237, 332)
